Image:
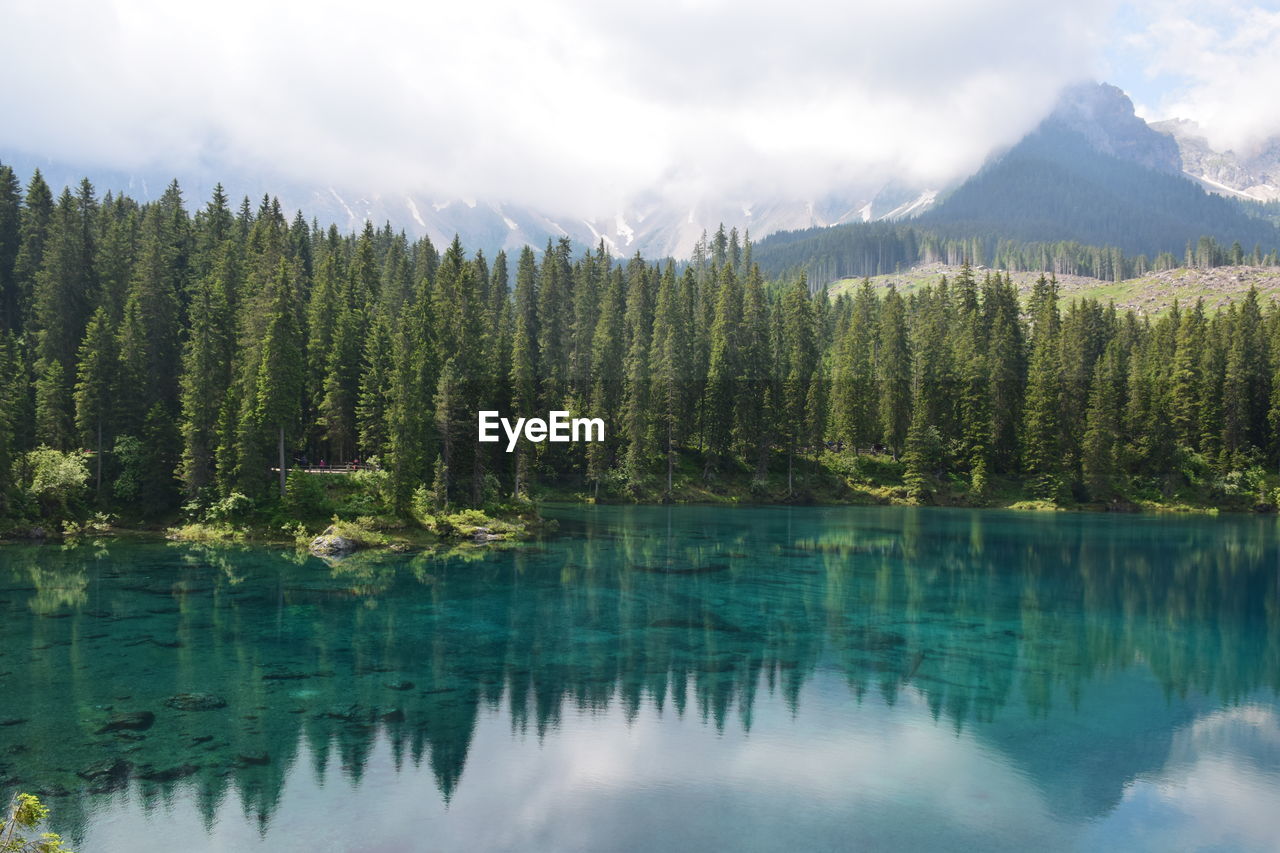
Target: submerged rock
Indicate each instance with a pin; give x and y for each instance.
(285, 676)
(106, 775)
(347, 713)
(195, 702)
(330, 544)
(136, 721)
(169, 774)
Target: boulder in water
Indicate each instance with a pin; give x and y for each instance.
(330, 544)
(134, 721)
(111, 774)
(195, 702)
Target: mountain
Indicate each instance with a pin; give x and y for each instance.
(1091, 175)
(651, 225)
(1104, 117)
(1095, 173)
(654, 227)
(1254, 174)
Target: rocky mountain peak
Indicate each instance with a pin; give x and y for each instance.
(1103, 114)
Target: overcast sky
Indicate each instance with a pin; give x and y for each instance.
(582, 104)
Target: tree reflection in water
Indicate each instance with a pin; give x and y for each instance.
(994, 620)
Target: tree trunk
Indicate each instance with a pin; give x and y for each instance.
(519, 466)
(99, 460)
(283, 471)
(791, 454)
(669, 460)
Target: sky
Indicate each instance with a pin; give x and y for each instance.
(581, 105)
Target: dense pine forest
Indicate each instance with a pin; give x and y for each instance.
(160, 361)
(863, 249)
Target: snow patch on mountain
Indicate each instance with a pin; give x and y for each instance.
(625, 231)
(413, 211)
(351, 214)
(1251, 174)
(919, 205)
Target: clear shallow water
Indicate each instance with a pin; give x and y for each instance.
(662, 679)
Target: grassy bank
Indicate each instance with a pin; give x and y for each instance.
(849, 478)
(357, 507)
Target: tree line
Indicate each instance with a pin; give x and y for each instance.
(862, 249)
(195, 355)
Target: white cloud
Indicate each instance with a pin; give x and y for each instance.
(558, 104)
(1221, 62)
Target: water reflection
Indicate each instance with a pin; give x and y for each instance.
(932, 673)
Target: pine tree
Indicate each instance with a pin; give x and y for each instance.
(11, 302)
(206, 374)
(1006, 363)
(281, 370)
(95, 378)
(1185, 402)
(637, 415)
(800, 359)
(607, 370)
(723, 368)
(669, 367)
(33, 233)
(1101, 448)
(375, 375)
(855, 395)
(756, 368)
(1042, 426)
(893, 372)
(524, 355)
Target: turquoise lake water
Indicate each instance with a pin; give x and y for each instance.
(661, 679)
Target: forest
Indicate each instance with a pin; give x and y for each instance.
(162, 362)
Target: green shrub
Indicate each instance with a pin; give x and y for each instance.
(130, 462)
(55, 479)
(304, 495)
(376, 484)
(359, 531)
(234, 508)
(27, 812)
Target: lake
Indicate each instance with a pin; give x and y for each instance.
(661, 678)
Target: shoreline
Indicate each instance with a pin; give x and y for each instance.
(420, 540)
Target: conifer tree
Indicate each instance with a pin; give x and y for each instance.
(755, 372)
(637, 414)
(723, 368)
(33, 232)
(10, 241)
(893, 372)
(669, 367)
(1185, 403)
(375, 376)
(1101, 446)
(281, 371)
(95, 377)
(524, 355)
(800, 358)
